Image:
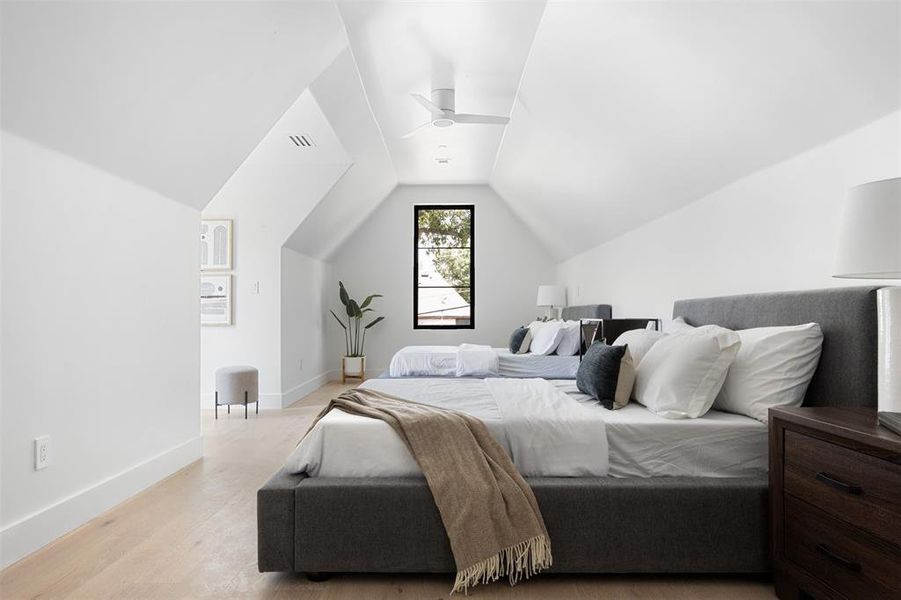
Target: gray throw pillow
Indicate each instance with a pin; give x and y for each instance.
(520, 340)
(606, 374)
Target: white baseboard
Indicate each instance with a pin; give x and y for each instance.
(335, 375)
(307, 387)
(267, 402)
(278, 401)
(30, 533)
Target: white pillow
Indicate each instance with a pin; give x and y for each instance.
(773, 368)
(678, 325)
(681, 375)
(545, 336)
(571, 340)
(639, 342)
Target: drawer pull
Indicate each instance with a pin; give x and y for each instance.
(848, 564)
(850, 488)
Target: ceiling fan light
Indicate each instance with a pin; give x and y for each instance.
(442, 122)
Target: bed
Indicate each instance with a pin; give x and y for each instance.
(580, 438)
(441, 361)
(634, 521)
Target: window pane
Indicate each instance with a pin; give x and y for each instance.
(443, 306)
(444, 228)
(443, 291)
(444, 267)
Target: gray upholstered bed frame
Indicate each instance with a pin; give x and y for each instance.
(587, 311)
(597, 525)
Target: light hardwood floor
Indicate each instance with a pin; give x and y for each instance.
(193, 535)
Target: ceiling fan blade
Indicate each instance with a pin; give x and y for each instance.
(481, 119)
(413, 132)
(427, 104)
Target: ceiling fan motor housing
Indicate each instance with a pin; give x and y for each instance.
(444, 99)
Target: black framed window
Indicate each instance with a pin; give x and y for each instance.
(444, 266)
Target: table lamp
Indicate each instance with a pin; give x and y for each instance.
(870, 248)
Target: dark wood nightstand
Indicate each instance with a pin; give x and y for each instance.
(835, 504)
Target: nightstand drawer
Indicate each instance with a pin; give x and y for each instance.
(852, 486)
(852, 562)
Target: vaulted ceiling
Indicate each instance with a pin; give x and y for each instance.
(629, 110)
(476, 48)
(620, 111)
(170, 95)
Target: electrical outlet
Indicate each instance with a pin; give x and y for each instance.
(41, 452)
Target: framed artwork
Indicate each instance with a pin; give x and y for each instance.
(215, 244)
(215, 299)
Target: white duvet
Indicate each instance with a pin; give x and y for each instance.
(465, 360)
(542, 427)
(470, 360)
(546, 431)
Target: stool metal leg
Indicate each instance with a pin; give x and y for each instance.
(216, 399)
(245, 405)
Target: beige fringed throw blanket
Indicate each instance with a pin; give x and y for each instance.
(489, 512)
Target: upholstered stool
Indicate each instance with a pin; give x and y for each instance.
(237, 385)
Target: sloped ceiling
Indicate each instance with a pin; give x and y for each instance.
(621, 111)
(172, 96)
(280, 182)
(370, 177)
(629, 110)
(477, 48)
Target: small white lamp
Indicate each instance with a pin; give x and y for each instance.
(870, 248)
(551, 297)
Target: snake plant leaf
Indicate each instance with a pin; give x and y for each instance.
(340, 322)
(371, 323)
(369, 299)
(353, 309)
(342, 294)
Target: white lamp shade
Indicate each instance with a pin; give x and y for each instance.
(869, 245)
(551, 295)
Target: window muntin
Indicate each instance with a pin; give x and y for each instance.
(444, 267)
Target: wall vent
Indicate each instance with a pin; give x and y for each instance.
(303, 141)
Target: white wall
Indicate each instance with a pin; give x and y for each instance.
(770, 231)
(100, 341)
(264, 211)
(268, 197)
(303, 366)
(378, 258)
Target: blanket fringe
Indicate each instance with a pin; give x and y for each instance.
(517, 561)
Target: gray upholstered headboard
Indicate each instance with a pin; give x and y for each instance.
(846, 375)
(587, 311)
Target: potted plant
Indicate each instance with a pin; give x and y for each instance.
(353, 363)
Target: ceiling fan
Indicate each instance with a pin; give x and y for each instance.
(443, 115)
